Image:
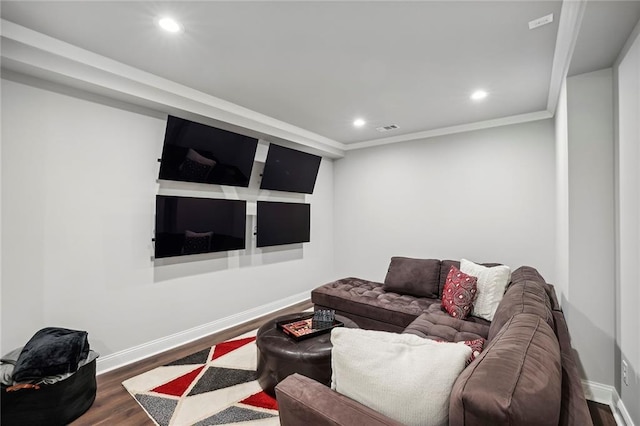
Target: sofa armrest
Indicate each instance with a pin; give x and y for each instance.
(553, 297)
(575, 410)
(302, 400)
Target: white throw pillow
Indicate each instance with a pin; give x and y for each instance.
(491, 285)
(403, 376)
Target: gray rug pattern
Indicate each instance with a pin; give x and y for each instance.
(233, 415)
(219, 378)
(161, 409)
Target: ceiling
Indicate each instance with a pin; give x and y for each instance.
(605, 27)
(318, 65)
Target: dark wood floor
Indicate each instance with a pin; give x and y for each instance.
(601, 414)
(114, 405)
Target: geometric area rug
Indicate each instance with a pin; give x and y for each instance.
(216, 386)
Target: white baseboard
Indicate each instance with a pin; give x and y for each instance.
(136, 353)
(605, 394)
(624, 413)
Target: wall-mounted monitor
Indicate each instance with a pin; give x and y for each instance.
(195, 152)
(187, 225)
(287, 169)
(282, 223)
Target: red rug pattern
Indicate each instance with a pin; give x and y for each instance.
(216, 386)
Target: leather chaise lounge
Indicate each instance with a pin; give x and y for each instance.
(526, 374)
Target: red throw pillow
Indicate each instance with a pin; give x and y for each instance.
(459, 293)
(476, 347)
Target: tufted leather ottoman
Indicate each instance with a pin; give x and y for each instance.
(280, 356)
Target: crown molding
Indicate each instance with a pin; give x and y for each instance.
(36, 54)
(568, 29)
(487, 124)
(635, 33)
(28, 52)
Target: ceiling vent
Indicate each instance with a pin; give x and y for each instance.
(387, 128)
(541, 21)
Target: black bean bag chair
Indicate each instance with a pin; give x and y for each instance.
(51, 352)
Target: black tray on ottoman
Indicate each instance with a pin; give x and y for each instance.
(304, 327)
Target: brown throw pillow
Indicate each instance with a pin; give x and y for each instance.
(459, 293)
(417, 277)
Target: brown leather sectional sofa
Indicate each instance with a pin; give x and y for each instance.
(526, 374)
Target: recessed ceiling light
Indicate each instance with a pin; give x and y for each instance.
(479, 95)
(170, 24)
(359, 122)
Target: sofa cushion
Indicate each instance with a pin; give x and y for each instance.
(573, 409)
(522, 297)
(368, 299)
(445, 266)
(459, 293)
(438, 325)
(527, 273)
(551, 292)
(378, 369)
(417, 277)
(303, 401)
(517, 380)
(492, 282)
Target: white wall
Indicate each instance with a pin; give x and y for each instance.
(486, 195)
(628, 222)
(1, 243)
(562, 196)
(79, 179)
(591, 237)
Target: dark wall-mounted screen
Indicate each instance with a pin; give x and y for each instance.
(290, 170)
(283, 223)
(195, 152)
(186, 225)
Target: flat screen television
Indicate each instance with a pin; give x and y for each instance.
(282, 223)
(290, 170)
(188, 225)
(195, 152)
